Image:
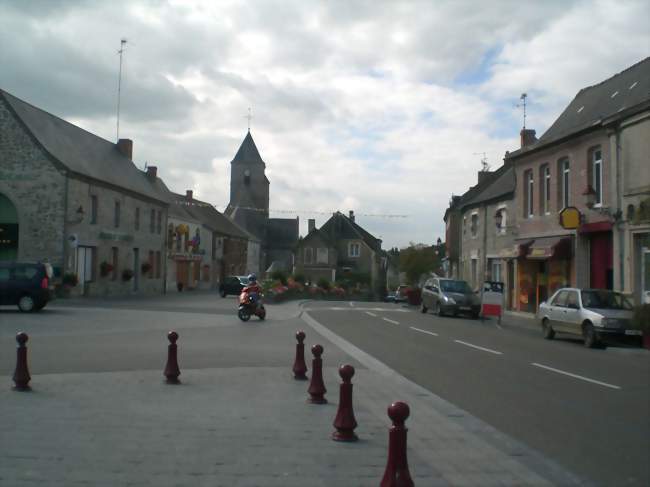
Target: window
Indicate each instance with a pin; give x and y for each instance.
(159, 223)
(117, 214)
(321, 256)
(150, 274)
(565, 180)
(152, 221)
(354, 249)
(170, 237)
(474, 225)
(474, 271)
(309, 255)
(496, 270)
(464, 225)
(597, 175)
(545, 189)
(137, 218)
(93, 209)
(572, 300)
(528, 193)
(560, 299)
(114, 259)
(158, 264)
(501, 220)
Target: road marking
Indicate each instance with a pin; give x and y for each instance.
(391, 321)
(496, 352)
(575, 376)
(351, 304)
(371, 314)
(423, 331)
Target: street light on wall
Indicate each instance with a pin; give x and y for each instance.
(79, 216)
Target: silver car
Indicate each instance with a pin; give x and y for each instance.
(593, 314)
(450, 297)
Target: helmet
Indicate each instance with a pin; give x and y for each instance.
(252, 278)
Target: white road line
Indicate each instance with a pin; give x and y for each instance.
(496, 352)
(351, 304)
(371, 314)
(391, 321)
(575, 376)
(423, 331)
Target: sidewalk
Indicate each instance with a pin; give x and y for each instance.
(246, 426)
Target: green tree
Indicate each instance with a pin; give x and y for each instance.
(418, 259)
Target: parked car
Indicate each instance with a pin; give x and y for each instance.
(400, 293)
(232, 285)
(26, 284)
(449, 296)
(593, 314)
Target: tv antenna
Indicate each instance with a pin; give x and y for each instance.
(123, 42)
(523, 98)
(485, 167)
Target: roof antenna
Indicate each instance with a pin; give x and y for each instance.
(523, 104)
(485, 167)
(249, 117)
(123, 42)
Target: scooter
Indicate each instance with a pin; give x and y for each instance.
(248, 307)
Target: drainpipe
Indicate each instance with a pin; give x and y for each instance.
(485, 227)
(619, 211)
(65, 226)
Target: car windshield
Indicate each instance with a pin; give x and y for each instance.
(244, 280)
(455, 287)
(604, 300)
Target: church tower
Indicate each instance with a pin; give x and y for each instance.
(249, 189)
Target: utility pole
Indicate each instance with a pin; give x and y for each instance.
(119, 85)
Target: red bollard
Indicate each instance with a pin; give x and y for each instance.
(397, 470)
(299, 365)
(171, 368)
(345, 421)
(316, 386)
(21, 374)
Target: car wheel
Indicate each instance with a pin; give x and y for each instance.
(439, 311)
(26, 304)
(223, 293)
(423, 308)
(547, 330)
(589, 335)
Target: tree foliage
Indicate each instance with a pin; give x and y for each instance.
(418, 259)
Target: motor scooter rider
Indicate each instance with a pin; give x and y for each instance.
(253, 289)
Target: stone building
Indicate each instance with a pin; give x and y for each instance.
(76, 200)
(487, 224)
(341, 250)
(249, 208)
(591, 161)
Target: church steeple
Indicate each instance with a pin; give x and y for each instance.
(248, 153)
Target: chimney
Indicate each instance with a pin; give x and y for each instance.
(152, 173)
(189, 194)
(126, 147)
(311, 225)
(351, 215)
(482, 175)
(527, 137)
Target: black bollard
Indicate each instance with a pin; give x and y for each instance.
(171, 368)
(21, 373)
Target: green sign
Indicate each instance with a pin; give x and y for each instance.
(117, 237)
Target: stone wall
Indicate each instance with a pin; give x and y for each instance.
(36, 187)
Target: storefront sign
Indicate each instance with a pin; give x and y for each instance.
(570, 218)
(117, 237)
(185, 256)
(539, 253)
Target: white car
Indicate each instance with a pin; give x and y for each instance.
(593, 314)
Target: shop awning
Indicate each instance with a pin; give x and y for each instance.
(604, 226)
(515, 251)
(548, 247)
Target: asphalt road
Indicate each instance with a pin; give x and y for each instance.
(587, 409)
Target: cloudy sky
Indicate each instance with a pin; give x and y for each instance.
(381, 107)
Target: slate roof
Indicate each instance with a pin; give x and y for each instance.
(282, 232)
(593, 104)
(340, 226)
(500, 185)
(248, 152)
(213, 219)
(175, 210)
(81, 152)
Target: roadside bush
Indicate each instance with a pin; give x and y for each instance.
(323, 284)
(70, 279)
(279, 276)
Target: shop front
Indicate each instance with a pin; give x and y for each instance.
(545, 267)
